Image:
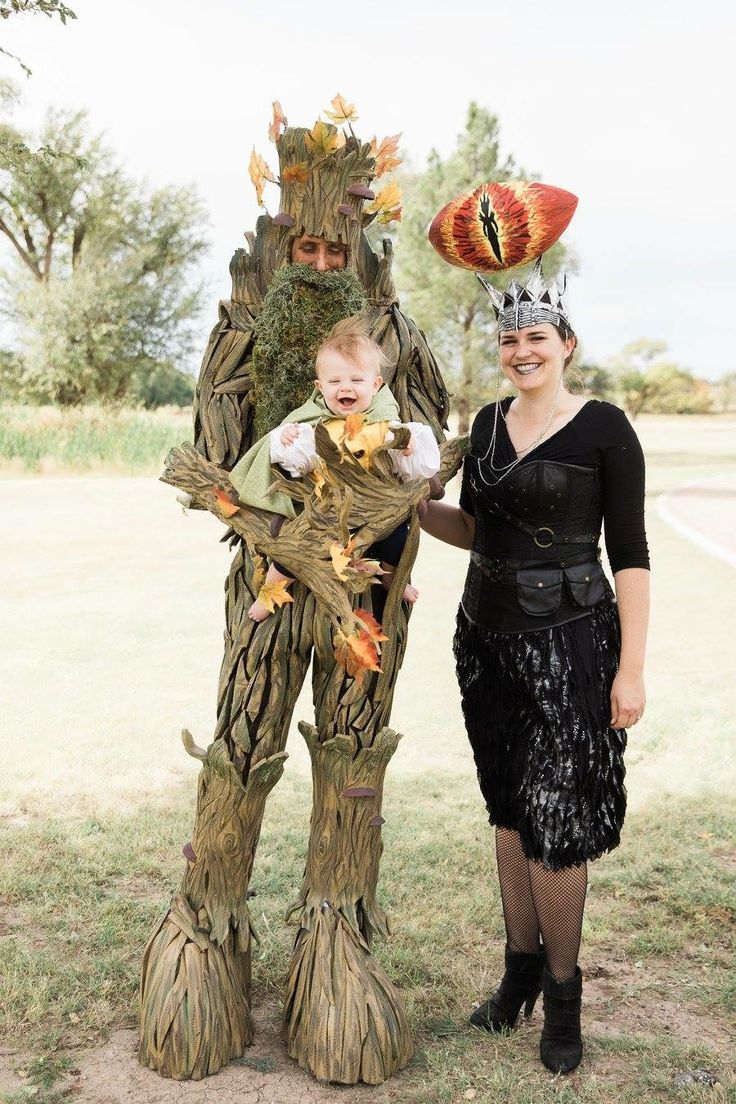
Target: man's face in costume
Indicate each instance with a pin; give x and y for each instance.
(318, 253)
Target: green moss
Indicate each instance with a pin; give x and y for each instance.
(300, 309)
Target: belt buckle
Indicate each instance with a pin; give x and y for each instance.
(544, 529)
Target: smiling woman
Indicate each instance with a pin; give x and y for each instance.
(549, 666)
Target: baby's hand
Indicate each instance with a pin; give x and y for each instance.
(410, 448)
(289, 434)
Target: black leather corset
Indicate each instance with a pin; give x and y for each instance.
(535, 561)
(538, 511)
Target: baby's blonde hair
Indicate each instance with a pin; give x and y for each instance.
(351, 339)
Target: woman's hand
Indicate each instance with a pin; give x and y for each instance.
(410, 449)
(628, 699)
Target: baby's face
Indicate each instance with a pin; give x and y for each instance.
(348, 386)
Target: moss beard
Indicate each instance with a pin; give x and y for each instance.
(299, 310)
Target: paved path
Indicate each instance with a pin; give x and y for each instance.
(705, 513)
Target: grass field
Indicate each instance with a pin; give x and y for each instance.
(113, 628)
(48, 441)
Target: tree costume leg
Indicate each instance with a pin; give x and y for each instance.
(195, 985)
(343, 1019)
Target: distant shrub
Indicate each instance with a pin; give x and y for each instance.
(163, 385)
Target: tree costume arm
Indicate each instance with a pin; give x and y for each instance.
(225, 398)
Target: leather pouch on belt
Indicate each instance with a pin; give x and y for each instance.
(539, 591)
(587, 584)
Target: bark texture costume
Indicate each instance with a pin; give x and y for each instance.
(343, 1019)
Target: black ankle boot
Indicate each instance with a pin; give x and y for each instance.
(521, 984)
(561, 1045)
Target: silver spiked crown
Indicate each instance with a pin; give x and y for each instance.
(529, 304)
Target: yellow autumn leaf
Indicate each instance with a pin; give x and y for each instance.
(341, 557)
(387, 204)
(259, 173)
(279, 121)
(274, 594)
(325, 138)
(342, 111)
(297, 173)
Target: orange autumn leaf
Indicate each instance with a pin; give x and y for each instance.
(259, 173)
(279, 121)
(298, 173)
(357, 654)
(353, 425)
(385, 154)
(324, 138)
(387, 204)
(225, 504)
(342, 111)
(341, 557)
(370, 625)
(274, 594)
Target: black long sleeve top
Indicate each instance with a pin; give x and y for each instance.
(590, 472)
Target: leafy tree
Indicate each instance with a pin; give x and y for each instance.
(447, 302)
(597, 381)
(35, 7)
(648, 383)
(724, 390)
(98, 283)
(32, 7)
(164, 385)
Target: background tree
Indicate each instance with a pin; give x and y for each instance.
(447, 302)
(32, 7)
(596, 381)
(724, 392)
(99, 282)
(649, 383)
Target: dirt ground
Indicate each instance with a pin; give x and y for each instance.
(113, 607)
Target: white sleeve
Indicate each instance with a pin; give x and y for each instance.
(424, 462)
(296, 459)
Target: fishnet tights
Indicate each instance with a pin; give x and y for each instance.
(537, 901)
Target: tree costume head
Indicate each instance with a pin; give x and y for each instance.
(325, 177)
(324, 191)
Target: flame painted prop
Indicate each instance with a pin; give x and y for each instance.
(500, 226)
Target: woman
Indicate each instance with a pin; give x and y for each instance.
(550, 666)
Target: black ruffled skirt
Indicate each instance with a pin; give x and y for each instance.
(537, 707)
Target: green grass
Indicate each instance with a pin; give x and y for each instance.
(85, 873)
(43, 440)
(83, 895)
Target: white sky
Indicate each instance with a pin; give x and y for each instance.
(628, 104)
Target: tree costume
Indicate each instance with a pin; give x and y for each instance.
(343, 1020)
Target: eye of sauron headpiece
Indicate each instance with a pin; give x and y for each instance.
(499, 226)
(325, 177)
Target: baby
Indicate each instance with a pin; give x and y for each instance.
(348, 368)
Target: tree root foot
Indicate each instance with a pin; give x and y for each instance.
(195, 996)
